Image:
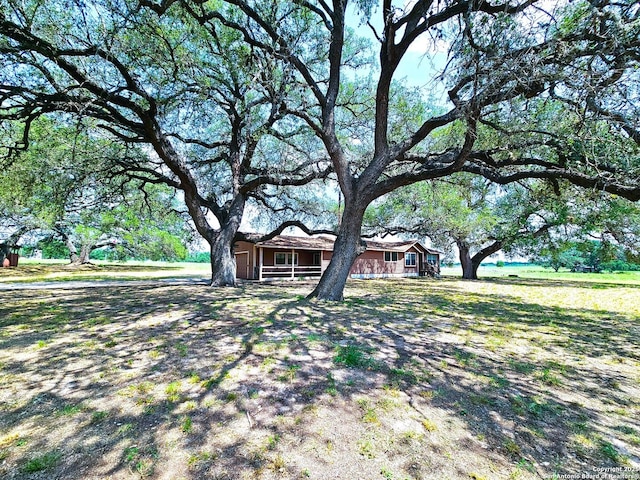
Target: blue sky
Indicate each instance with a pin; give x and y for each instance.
(424, 60)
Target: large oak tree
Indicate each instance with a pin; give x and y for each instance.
(208, 107)
(478, 217)
(500, 55)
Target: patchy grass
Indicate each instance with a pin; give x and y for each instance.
(41, 462)
(29, 271)
(493, 379)
(353, 356)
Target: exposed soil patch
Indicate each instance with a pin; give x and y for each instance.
(509, 379)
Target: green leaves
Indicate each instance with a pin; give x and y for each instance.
(66, 185)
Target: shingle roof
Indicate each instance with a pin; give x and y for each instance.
(301, 243)
(326, 243)
(391, 246)
(399, 246)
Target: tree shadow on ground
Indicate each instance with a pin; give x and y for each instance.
(258, 382)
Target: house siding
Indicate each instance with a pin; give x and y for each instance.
(247, 257)
(326, 259)
(370, 264)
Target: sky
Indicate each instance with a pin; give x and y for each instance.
(421, 63)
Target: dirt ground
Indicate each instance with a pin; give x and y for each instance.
(496, 379)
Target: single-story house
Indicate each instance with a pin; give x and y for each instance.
(296, 257)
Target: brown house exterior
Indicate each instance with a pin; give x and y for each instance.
(8, 255)
(289, 257)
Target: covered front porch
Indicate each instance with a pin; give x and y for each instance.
(283, 257)
(288, 264)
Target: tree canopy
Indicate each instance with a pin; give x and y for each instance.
(66, 186)
(478, 217)
(208, 107)
(504, 59)
(533, 90)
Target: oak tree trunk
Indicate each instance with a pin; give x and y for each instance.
(74, 258)
(471, 264)
(345, 250)
(223, 262)
(469, 267)
(85, 251)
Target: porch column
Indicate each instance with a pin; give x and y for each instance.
(293, 263)
(260, 264)
(254, 259)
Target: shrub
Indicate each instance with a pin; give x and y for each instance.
(52, 248)
(198, 257)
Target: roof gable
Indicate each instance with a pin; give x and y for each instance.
(393, 246)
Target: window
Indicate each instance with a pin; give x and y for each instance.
(284, 258)
(410, 259)
(432, 259)
(390, 256)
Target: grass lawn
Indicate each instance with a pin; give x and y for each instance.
(534, 271)
(60, 270)
(502, 378)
